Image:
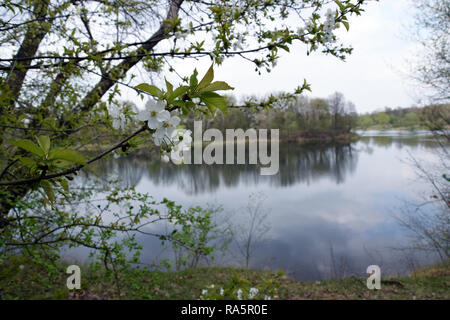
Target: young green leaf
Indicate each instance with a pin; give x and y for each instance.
(67, 154)
(214, 100)
(48, 190)
(44, 143)
(216, 86)
(177, 92)
(341, 6)
(29, 146)
(193, 80)
(346, 25)
(169, 87)
(30, 163)
(207, 79)
(64, 184)
(154, 91)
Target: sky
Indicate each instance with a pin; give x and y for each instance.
(373, 76)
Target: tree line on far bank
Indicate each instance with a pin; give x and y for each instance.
(301, 117)
(407, 118)
(320, 117)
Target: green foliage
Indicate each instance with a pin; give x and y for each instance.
(365, 121)
(112, 239)
(410, 118)
(44, 153)
(183, 96)
(382, 118)
(66, 154)
(301, 117)
(239, 288)
(25, 278)
(29, 146)
(150, 89)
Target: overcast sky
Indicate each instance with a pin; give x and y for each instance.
(371, 77)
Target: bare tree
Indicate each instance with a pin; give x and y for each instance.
(431, 30)
(429, 221)
(338, 110)
(250, 233)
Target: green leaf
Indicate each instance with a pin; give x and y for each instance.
(216, 86)
(346, 24)
(49, 123)
(341, 6)
(193, 80)
(169, 86)
(68, 155)
(62, 163)
(284, 47)
(207, 79)
(48, 190)
(29, 146)
(30, 163)
(178, 92)
(154, 91)
(214, 100)
(64, 184)
(44, 143)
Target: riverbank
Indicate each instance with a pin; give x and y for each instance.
(306, 138)
(22, 279)
(388, 128)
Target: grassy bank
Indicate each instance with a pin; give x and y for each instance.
(22, 279)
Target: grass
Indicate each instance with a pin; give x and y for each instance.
(20, 278)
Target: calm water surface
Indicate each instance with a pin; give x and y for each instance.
(331, 209)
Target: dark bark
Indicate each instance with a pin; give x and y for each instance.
(30, 44)
(128, 62)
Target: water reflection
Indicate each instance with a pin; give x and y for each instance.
(324, 199)
(298, 164)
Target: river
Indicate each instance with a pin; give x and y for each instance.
(331, 211)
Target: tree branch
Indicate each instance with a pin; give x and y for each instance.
(78, 167)
(128, 62)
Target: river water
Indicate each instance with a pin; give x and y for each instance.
(331, 211)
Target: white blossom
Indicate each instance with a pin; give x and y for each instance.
(180, 35)
(119, 119)
(239, 294)
(329, 26)
(165, 157)
(182, 136)
(252, 293)
(154, 113)
(177, 153)
(216, 57)
(167, 127)
(181, 141)
(237, 46)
